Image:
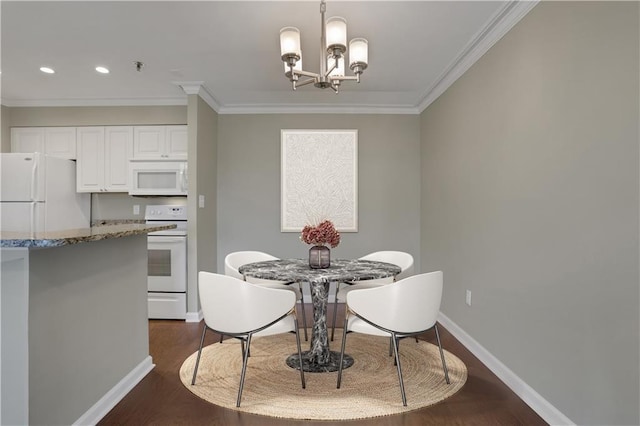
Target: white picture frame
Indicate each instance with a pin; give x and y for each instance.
(319, 179)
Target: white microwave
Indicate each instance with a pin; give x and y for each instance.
(158, 177)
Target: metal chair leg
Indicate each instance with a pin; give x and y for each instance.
(335, 311)
(245, 360)
(395, 347)
(444, 364)
(344, 342)
(195, 369)
(304, 314)
(304, 383)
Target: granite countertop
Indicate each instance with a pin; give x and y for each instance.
(76, 236)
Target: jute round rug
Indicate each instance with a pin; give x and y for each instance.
(369, 388)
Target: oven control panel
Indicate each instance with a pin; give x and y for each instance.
(165, 212)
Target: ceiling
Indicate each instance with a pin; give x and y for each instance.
(228, 51)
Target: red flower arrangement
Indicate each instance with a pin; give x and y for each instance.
(322, 234)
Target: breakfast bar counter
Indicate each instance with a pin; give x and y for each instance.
(74, 329)
(76, 236)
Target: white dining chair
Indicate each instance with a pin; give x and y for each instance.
(243, 310)
(407, 308)
(402, 259)
(233, 261)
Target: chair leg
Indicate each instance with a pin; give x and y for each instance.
(304, 383)
(221, 336)
(444, 364)
(195, 369)
(335, 311)
(395, 348)
(304, 315)
(344, 343)
(242, 347)
(245, 360)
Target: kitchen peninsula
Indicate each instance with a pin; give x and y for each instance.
(74, 330)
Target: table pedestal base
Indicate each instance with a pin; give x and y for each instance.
(308, 366)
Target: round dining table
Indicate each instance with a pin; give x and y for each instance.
(319, 358)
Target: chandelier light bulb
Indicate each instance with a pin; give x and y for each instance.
(336, 34)
(358, 53)
(290, 42)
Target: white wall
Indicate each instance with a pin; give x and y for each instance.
(530, 198)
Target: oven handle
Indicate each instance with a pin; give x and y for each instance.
(166, 239)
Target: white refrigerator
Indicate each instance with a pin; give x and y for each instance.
(38, 194)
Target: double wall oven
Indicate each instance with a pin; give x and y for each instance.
(167, 276)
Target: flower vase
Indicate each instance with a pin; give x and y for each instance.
(319, 257)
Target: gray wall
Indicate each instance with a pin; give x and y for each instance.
(5, 131)
(530, 195)
(203, 138)
(88, 324)
(97, 116)
(249, 184)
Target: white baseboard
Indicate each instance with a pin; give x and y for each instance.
(194, 316)
(115, 395)
(533, 399)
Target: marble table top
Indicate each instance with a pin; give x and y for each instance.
(76, 236)
(298, 270)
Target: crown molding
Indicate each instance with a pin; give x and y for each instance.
(318, 109)
(198, 88)
(94, 102)
(497, 26)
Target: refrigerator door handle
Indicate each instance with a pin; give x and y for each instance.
(34, 170)
(33, 216)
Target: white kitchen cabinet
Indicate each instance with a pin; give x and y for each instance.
(160, 142)
(103, 158)
(27, 139)
(55, 141)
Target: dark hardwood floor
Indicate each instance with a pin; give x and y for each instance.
(161, 399)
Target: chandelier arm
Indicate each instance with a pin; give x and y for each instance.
(355, 78)
(306, 73)
(335, 65)
(305, 82)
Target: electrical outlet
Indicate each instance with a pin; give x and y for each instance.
(136, 209)
(468, 298)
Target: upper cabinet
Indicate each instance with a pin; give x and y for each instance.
(55, 141)
(103, 158)
(160, 142)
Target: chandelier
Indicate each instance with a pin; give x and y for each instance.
(333, 46)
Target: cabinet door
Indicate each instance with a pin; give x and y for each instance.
(176, 142)
(90, 162)
(118, 151)
(27, 139)
(148, 142)
(60, 142)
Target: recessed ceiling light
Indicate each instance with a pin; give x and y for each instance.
(47, 70)
(102, 70)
